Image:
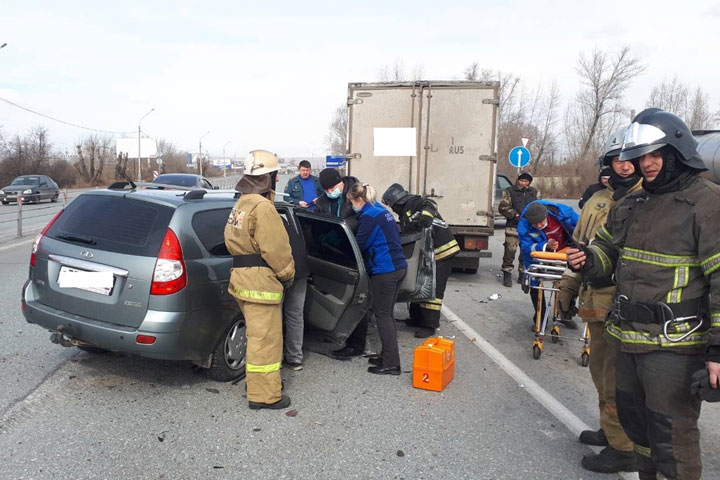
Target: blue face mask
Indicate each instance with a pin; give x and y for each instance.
(335, 193)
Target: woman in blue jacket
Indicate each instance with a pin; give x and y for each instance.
(378, 236)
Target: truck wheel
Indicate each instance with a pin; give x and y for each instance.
(228, 361)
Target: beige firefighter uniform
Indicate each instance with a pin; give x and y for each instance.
(594, 301)
(255, 228)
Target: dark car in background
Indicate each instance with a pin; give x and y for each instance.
(147, 272)
(30, 188)
(501, 184)
(188, 180)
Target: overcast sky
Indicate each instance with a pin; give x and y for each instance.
(270, 74)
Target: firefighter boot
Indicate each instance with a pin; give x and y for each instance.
(590, 437)
(610, 460)
(507, 279)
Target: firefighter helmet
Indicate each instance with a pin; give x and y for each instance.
(260, 162)
(653, 129)
(612, 147)
(394, 194)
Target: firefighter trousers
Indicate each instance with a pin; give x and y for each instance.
(264, 351)
(658, 412)
(602, 371)
(427, 312)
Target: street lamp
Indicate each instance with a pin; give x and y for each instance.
(200, 152)
(139, 138)
(224, 161)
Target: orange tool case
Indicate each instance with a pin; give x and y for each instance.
(434, 364)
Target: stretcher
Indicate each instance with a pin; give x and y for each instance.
(544, 276)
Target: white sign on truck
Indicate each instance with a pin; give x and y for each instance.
(453, 127)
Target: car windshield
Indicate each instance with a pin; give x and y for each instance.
(180, 180)
(26, 181)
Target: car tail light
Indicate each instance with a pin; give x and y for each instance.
(39, 237)
(170, 274)
(145, 339)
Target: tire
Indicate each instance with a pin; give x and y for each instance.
(554, 335)
(228, 362)
(585, 359)
(536, 352)
(54, 199)
(94, 350)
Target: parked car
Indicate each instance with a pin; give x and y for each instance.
(147, 272)
(184, 180)
(30, 188)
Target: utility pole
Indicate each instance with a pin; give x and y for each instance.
(139, 141)
(200, 153)
(224, 160)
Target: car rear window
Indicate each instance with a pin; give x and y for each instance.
(116, 224)
(179, 180)
(209, 226)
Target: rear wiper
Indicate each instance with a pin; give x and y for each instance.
(78, 238)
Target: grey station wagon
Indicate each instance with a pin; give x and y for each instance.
(146, 272)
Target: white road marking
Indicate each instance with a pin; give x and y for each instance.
(24, 242)
(557, 409)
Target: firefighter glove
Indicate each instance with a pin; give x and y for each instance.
(700, 386)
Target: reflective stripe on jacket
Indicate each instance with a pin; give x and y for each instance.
(255, 227)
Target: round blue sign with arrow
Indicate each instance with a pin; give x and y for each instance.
(519, 157)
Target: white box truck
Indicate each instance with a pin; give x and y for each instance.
(438, 140)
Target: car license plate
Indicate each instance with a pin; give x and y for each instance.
(96, 282)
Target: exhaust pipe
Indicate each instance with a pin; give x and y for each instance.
(58, 337)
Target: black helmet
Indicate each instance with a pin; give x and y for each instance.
(394, 194)
(653, 129)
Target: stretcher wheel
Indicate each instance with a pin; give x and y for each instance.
(555, 335)
(585, 359)
(536, 352)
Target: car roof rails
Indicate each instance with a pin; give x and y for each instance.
(201, 193)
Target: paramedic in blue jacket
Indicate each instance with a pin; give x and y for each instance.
(378, 236)
(545, 227)
(303, 189)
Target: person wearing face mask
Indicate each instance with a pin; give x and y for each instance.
(602, 183)
(595, 299)
(333, 201)
(661, 244)
(514, 200)
(263, 267)
(378, 237)
(546, 227)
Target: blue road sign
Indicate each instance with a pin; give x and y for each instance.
(189, 159)
(334, 161)
(519, 157)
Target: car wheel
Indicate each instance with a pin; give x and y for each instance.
(228, 361)
(54, 199)
(93, 349)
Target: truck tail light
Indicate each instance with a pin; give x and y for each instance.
(475, 243)
(170, 274)
(39, 237)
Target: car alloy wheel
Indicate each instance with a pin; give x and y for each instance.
(235, 346)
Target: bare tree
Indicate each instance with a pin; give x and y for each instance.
(671, 96)
(337, 136)
(392, 73)
(699, 116)
(173, 159)
(598, 104)
(93, 152)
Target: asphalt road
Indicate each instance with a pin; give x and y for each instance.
(70, 414)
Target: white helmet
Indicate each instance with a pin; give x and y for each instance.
(260, 162)
(613, 145)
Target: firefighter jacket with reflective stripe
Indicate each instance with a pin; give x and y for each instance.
(255, 227)
(514, 200)
(664, 247)
(593, 303)
(412, 209)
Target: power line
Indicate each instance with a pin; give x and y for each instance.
(58, 120)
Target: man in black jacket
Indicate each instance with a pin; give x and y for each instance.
(514, 200)
(416, 213)
(334, 200)
(602, 183)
